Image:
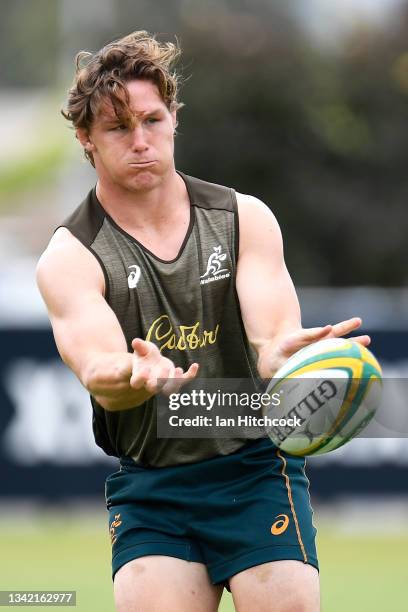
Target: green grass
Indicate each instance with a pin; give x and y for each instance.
(363, 572)
(358, 572)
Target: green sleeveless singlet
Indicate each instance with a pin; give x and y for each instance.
(188, 307)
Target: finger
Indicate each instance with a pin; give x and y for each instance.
(151, 386)
(140, 347)
(139, 378)
(312, 334)
(165, 373)
(155, 383)
(186, 377)
(345, 327)
(174, 383)
(191, 372)
(364, 340)
(304, 337)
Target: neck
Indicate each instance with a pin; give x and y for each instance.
(147, 207)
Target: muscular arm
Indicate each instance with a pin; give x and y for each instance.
(269, 305)
(268, 301)
(87, 333)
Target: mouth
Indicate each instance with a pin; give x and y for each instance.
(143, 164)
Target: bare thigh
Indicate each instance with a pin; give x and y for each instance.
(164, 584)
(278, 586)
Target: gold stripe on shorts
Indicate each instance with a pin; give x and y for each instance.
(292, 507)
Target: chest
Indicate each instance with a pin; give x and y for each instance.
(179, 269)
(164, 242)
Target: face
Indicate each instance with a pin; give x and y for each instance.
(138, 157)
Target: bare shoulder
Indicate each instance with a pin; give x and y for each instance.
(63, 240)
(67, 263)
(248, 203)
(256, 221)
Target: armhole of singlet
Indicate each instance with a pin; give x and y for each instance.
(234, 204)
(105, 274)
(98, 259)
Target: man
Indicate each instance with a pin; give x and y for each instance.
(155, 278)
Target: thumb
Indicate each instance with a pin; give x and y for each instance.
(140, 347)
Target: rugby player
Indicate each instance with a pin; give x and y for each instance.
(158, 278)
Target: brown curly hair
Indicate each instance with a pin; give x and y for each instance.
(104, 75)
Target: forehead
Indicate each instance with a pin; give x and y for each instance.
(144, 98)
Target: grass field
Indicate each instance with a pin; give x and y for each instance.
(360, 572)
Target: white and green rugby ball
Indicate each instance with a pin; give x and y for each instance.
(328, 392)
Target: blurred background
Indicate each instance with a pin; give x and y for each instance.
(303, 104)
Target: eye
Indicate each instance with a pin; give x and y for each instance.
(118, 128)
(152, 120)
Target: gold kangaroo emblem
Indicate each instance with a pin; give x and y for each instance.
(113, 526)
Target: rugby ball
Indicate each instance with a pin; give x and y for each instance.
(327, 393)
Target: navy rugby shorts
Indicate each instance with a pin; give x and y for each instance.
(229, 512)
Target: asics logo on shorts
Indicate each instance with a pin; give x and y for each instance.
(280, 525)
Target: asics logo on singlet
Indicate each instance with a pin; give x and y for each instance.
(215, 271)
(134, 276)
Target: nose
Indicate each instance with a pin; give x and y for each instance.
(139, 143)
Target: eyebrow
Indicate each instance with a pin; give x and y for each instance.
(115, 119)
(149, 112)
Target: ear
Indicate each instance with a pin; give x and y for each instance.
(84, 139)
(174, 118)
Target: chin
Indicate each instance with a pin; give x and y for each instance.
(148, 179)
(144, 181)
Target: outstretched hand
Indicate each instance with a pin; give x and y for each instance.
(302, 337)
(273, 359)
(155, 373)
